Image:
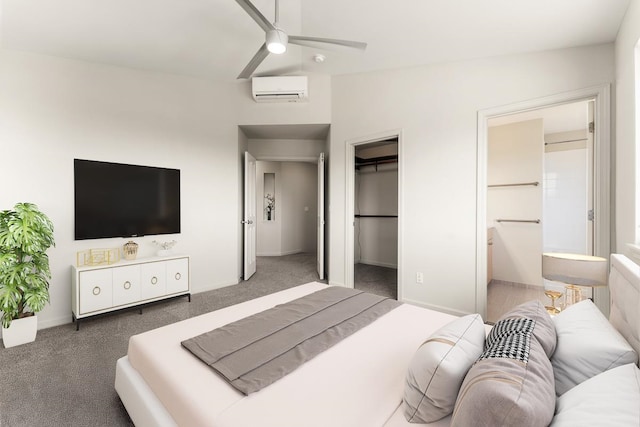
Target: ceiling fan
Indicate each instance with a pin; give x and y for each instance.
(276, 39)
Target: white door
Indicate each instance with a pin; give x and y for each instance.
(320, 255)
(249, 220)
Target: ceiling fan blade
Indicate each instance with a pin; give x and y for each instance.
(256, 15)
(313, 42)
(257, 59)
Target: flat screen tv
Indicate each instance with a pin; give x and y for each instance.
(120, 200)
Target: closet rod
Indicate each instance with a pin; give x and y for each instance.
(564, 142)
(536, 221)
(518, 184)
(375, 216)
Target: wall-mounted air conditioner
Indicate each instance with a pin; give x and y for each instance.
(280, 89)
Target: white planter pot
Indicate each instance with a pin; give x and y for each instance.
(21, 331)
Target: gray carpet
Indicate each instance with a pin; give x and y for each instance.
(376, 280)
(65, 378)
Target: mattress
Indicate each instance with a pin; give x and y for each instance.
(357, 382)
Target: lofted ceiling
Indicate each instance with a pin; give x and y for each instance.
(215, 38)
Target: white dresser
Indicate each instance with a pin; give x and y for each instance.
(101, 289)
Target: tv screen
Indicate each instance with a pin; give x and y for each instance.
(119, 200)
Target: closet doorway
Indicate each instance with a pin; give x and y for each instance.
(375, 184)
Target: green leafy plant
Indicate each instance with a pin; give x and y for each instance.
(25, 235)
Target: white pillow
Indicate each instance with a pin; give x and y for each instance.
(438, 368)
(610, 399)
(587, 345)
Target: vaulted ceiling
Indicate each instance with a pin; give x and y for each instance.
(216, 38)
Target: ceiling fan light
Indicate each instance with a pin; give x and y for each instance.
(277, 41)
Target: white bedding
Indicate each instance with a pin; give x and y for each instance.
(358, 382)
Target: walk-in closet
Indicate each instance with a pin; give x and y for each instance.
(376, 217)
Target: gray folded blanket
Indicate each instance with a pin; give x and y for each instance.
(258, 350)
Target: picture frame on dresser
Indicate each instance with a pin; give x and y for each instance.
(98, 290)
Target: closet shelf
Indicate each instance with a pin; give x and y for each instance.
(375, 161)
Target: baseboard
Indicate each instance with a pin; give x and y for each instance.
(212, 287)
(436, 307)
(56, 321)
(295, 251)
(334, 283)
(378, 263)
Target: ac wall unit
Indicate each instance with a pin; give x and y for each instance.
(280, 89)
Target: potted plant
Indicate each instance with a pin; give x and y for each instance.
(25, 235)
(271, 205)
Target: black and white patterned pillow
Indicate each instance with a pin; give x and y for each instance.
(512, 384)
(511, 339)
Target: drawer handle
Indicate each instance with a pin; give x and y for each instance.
(154, 280)
(178, 276)
(127, 285)
(96, 290)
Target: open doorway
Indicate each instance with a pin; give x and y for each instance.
(540, 197)
(287, 202)
(288, 197)
(532, 216)
(374, 203)
(290, 149)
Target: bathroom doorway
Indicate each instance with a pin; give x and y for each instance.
(558, 201)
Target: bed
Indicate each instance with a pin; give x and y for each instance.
(358, 382)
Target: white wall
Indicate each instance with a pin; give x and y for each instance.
(293, 229)
(286, 149)
(268, 233)
(436, 107)
(627, 125)
(54, 110)
(376, 193)
(315, 111)
(514, 155)
(299, 210)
